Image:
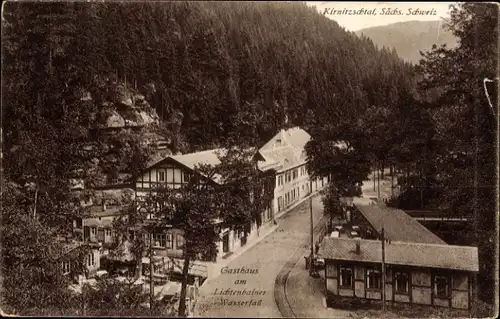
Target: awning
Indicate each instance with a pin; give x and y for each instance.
(145, 260)
(169, 289)
(195, 268)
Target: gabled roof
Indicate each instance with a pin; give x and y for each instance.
(268, 163)
(401, 253)
(398, 226)
(209, 157)
(286, 148)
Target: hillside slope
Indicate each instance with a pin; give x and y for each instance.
(408, 38)
(233, 71)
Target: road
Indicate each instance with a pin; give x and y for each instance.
(266, 259)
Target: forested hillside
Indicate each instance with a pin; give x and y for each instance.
(89, 87)
(92, 89)
(409, 38)
(233, 70)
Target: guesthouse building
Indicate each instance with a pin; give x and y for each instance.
(415, 273)
(285, 153)
(173, 172)
(420, 267)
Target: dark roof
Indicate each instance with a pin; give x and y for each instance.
(68, 247)
(98, 211)
(207, 157)
(401, 253)
(398, 226)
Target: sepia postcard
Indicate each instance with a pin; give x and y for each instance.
(249, 159)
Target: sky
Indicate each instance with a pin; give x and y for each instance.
(357, 22)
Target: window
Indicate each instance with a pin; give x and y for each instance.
(161, 176)
(107, 232)
(373, 279)
(170, 241)
(280, 203)
(66, 267)
(90, 260)
(187, 177)
(180, 241)
(401, 282)
(280, 180)
(346, 276)
(159, 240)
(93, 231)
(441, 286)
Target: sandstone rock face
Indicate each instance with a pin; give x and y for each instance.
(123, 118)
(115, 120)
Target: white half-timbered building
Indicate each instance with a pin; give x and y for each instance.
(172, 172)
(286, 154)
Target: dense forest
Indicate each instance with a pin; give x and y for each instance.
(442, 139)
(212, 74)
(234, 71)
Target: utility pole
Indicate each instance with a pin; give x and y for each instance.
(383, 269)
(374, 178)
(312, 236)
(151, 285)
(378, 188)
(392, 180)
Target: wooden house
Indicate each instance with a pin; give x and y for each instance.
(421, 268)
(416, 273)
(173, 172)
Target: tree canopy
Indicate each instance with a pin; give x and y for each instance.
(465, 126)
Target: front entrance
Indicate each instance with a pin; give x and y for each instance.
(225, 243)
(86, 233)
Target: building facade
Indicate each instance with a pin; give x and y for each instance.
(415, 273)
(173, 172)
(282, 161)
(285, 153)
(74, 252)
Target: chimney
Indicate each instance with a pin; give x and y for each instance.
(358, 247)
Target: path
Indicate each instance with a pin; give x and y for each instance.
(268, 258)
